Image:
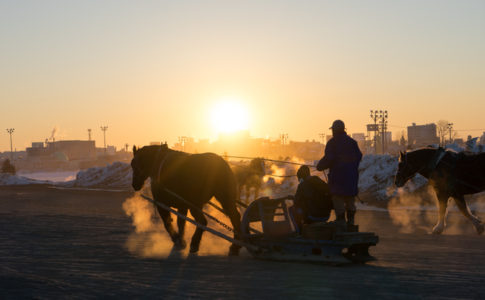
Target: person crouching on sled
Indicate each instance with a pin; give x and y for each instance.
(312, 200)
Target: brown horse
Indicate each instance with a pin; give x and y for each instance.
(194, 177)
(249, 176)
(451, 174)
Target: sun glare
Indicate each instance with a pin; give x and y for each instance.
(229, 116)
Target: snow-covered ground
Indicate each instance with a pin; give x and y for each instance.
(58, 176)
(7, 179)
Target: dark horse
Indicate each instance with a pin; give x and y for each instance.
(451, 174)
(194, 177)
(249, 176)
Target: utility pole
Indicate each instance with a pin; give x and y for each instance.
(381, 116)
(104, 128)
(126, 147)
(89, 134)
(322, 137)
(182, 141)
(384, 129)
(450, 128)
(374, 116)
(284, 138)
(10, 131)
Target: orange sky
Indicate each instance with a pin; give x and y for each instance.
(154, 71)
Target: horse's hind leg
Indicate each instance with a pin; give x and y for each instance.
(233, 214)
(199, 217)
(443, 203)
(180, 242)
(460, 202)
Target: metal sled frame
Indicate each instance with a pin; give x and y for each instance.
(278, 240)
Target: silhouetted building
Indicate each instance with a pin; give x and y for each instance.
(422, 135)
(67, 150)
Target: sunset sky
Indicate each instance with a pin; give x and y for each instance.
(156, 70)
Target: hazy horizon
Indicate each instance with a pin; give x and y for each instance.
(156, 70)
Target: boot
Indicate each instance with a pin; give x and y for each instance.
(339, 222)
(350, 217)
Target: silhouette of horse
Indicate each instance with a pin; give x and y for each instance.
(451, 174)
(249, 176)
(196, 178)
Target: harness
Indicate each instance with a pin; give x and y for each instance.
(181, 199)
(431, 166)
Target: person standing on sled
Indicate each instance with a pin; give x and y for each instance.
(313, 201)
(342, 157)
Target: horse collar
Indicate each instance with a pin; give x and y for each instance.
(436, 159)
(161, 163)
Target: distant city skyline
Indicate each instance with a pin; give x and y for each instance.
(154, 70)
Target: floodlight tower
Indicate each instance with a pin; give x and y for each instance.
(89, 134)
(284, 138)
(450, 128)
(384, 116)
(104, 128)
(374, 115)
(10, 131)
(322, 137)
(182, 141)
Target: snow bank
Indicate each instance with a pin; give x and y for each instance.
(375, 181)
(117, 174)
(8, 179)
(376, 177)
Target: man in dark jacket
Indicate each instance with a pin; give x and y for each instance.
(313, 201)
(342, 157)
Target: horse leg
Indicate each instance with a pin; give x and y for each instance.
(167, 221)
(460, 202)
(231, 211)
(180, 242)
(199, 217)
(248, 190)
(443, 203)
(239, 190)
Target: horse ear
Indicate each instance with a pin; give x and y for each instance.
(134, 149)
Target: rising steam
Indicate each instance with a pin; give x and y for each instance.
(150, 238)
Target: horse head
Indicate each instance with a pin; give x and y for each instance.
(405, 169)
(143, 163)
(257, 166)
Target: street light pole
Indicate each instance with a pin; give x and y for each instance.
(380, 115)
(450, 127)
(10, 131)
(374, 116)
(104, 128)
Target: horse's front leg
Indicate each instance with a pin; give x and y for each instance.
(443, 203)
(248, 191)
(460, 202)
(180, 242)
(167, 222)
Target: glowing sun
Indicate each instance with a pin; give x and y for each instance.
(229, 116)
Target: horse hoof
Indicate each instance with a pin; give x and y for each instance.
(234, 251)
(437, 231)
(180, 244)
(193, 249)
(480, 228)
